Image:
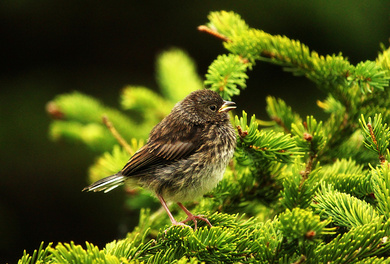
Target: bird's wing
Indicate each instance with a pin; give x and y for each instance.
(155, 154)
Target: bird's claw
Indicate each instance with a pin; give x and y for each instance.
(195, 218)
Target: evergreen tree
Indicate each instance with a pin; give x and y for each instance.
(299, 190)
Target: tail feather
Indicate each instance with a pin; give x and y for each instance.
(106, 184)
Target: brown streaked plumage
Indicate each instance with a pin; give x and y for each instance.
(186, 154)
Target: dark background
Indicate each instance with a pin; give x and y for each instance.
(98, 47)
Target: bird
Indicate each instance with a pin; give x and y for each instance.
(185, 156)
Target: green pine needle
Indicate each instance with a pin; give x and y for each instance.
(345, 210)
(318, 170)
(381, 185)
(304, 226)
(255, 146)
(281, 113)
(228, 24)
(376, 135)
(226, 74)
(309, 136)
(348, 177)
(360, 242)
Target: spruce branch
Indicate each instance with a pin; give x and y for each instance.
(359, 243)
(345, 175)
(332, 73)
(229, 243)
(212, 32)
(383, 59)
(227, 24)
(301, 260)
(303, 226)
(226, 74)
(302, 230)
(42, 255)
(308, 168)
(289, 201)
(93, 135)
(380, 177)
(331, 105)
(344, 209)
(116, 135)
(281, 113)
(310, 137)
(298, 191)
(260, 146)
(376, 135)
(373, 260)
(369, 75)
(54, 111)
(81, 122)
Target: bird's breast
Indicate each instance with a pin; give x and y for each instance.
(198, 174)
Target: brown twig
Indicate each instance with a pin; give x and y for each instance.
(309, 164)
(302, 259)
(279, 121)
(213, 33)
(54, 111)
(373, 135)
(310, 234)
(381, 157)
(241, 132)
(306, 172)
(117, 136)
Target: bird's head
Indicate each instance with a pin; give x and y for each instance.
(204, 106)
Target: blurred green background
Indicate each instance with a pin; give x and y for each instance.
(54, 47)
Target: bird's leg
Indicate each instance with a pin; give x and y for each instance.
(192, 217)
(164, 204)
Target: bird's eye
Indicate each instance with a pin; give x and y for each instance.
(213, 108)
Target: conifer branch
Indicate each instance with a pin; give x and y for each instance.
(381, 188)
(333, 73)
(291, 209)
(301, 260)
(260, 145)
(346, 176)
(214, 33)
(116, 135)
(310, 161)
(226, 74)
(54, 111)
(344, 209)
(376, 135)
(309, 136)
(381, 157)
(281, 113)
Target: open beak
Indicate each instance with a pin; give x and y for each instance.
(227, 106)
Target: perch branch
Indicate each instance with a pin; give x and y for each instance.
(117, 136)
(213, 33)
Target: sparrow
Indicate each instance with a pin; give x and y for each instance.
(185, 156)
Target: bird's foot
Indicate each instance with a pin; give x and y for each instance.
(192, 217)
(195, 218)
